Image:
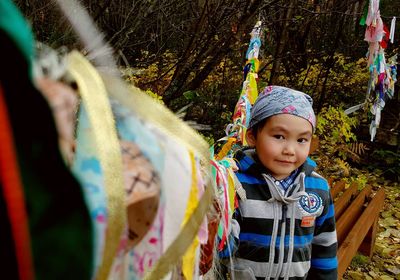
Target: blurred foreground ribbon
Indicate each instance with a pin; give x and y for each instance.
(183, 240)
(188, 260)
(11, 186)
(95, 100)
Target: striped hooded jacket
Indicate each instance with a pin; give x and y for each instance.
(298, 225)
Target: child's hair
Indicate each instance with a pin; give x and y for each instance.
(258, 127)
(275, 100)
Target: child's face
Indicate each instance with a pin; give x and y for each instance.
(283, 144)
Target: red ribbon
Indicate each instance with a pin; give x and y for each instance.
(14, 195)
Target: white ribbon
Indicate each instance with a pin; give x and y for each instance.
(392, 28)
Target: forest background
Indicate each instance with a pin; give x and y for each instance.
(190, 55)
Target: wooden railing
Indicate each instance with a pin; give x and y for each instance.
(357, 214)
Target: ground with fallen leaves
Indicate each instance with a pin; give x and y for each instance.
(385, 263)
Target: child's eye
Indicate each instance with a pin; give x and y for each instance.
(302, 140)
(279, 137)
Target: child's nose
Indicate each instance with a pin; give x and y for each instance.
(289, 149)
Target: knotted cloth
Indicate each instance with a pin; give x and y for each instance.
(275, 100)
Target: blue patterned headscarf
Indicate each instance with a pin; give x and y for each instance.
(275, 100)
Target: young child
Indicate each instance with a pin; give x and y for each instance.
(285, 229)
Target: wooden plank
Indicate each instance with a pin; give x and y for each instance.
(337, 188)
(354, 239)
(344, 200)
(330, 182)
(352, 213)
(368, 244)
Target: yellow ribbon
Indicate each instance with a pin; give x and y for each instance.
(252, 93)
(95, 100)
(188, 258)
(226, 148)
(231, 189)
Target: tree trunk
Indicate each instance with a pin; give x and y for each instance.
(208, 53)
(282, 42)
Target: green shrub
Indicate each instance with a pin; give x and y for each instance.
(334, 130)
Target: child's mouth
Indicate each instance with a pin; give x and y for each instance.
(285, 162)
